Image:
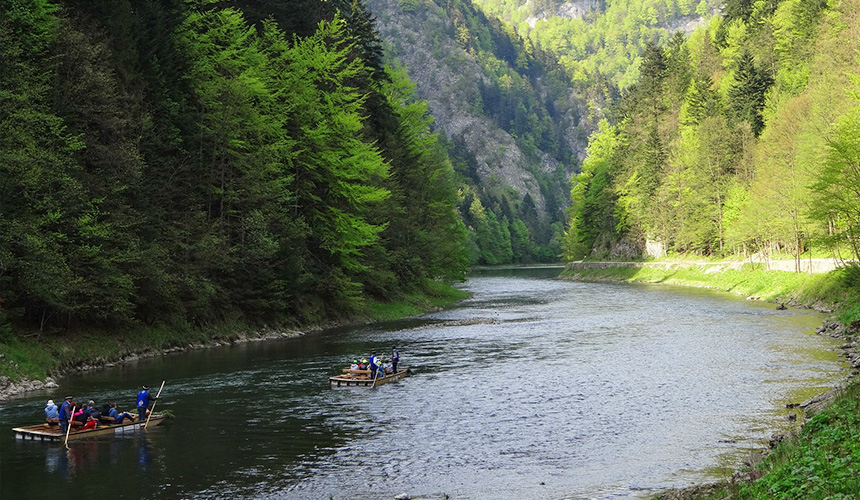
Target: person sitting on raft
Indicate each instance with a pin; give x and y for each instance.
(51, 410)
(117, 416)
(84, 420)
(354, 365)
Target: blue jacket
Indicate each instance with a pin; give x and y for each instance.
(65, 411)
(143, 398)
(373, 363)
(51, 412)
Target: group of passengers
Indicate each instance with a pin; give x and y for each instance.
(88, 416)
(377, 366)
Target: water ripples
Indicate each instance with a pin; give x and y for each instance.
(532, 389)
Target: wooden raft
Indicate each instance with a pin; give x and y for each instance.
(362, 378)
(48, 432)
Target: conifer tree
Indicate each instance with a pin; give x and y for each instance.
(41, 197)
(747, 95)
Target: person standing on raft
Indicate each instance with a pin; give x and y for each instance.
(374, 364)
(143, 399)
(65, 413)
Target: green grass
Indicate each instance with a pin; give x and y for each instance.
(36, 357)
(822, 463)
(828, 291)
(432, 296)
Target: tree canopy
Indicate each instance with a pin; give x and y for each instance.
(180, 163)
(744, 144)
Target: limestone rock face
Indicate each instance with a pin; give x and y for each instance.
(449, 78)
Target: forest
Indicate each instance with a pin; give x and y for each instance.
(551, 71)
(741, 139)
(601, 39)
(186, 163)
(513, 121)
(190, 162)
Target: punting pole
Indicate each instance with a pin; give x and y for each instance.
(375, 375)
(153, 405)
(69, 425)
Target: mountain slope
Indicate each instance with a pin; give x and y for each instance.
(516, 124)
(518, 112)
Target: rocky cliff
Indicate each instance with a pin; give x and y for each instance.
(424, 37)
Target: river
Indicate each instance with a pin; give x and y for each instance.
(534, 388)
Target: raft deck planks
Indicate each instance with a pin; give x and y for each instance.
(46, 432)
(361, 378)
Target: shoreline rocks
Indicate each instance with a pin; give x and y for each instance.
(10, 389)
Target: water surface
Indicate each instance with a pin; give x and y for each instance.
(533, 389)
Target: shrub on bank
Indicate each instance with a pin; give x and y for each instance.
(823, 462)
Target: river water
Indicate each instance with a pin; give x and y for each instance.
(533, 388)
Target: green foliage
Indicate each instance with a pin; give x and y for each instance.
(425, 237)
(41, 189)
(835, 191)
(740, 140)
(821, 463)
(593, 223)
(605, 42)
(746, 96)
(850, 275)
(173, 164)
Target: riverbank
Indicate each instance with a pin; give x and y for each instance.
(35, 362)
(832, 292)
(822, 460)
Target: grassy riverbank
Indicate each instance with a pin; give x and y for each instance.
(837, 291)
(37, 356)
(823, 461)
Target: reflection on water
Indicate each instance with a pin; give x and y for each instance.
(532, 389)
(94, 455)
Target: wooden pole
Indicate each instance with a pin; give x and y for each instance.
(375, 375)
(153, 405)
(69, 426)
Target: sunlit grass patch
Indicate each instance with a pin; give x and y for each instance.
(828, 291)
(433, 295)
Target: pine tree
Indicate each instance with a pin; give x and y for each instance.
(747, 95)
(336, 172)
(41, 198)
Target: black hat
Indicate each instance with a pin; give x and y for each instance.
(145, 388)
(70, 397)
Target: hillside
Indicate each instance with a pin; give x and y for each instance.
(179, 164)
(516, 126)
(602, 37)
(516, 88)
(738, 140)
